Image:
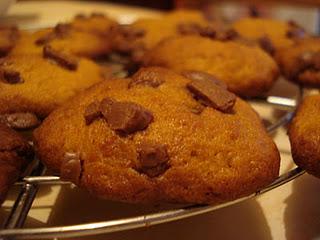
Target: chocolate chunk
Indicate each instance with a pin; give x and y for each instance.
(65, 60)
(45, 39)
(195, 28)
(20, 120)
(198, 75)
(11, 76)
(150, 79)
(211, 94)
(153, 159)
(62, 29)
(208, 31)
(92, 112)
(266, 44)
(59, 31)
(125, 117)
(71, 168)
(254, 11)
(227, 35)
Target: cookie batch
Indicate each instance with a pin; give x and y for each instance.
(178, 128)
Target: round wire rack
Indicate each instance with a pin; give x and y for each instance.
(13, 226)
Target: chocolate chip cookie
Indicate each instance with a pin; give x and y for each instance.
(38, 83)
(15, 153)
(247, 70)
(143, 34)
(87, 36)
(300, 63)
(279, 33)
(304, 134)
(159, 137)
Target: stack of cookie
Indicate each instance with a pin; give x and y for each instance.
(175, 129)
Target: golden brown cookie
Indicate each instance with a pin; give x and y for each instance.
(145, 33)
(304, 134)
(15, 153)
(84, 36)
(280, 33)
(39, 83)
(159, 137)
(248, 71)
(300, 63)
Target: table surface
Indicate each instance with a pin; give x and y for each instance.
(291, 211)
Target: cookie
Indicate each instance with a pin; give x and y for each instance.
(280, 33)
(84, 36)
(300, 63)
(304, 134)
(145, 33)
(15, 154)
(159, 137)
(38, 83)
(248, 71)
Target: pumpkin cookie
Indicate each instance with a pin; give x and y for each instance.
(304, 134)
(144, 34)
(159, 137)
(279, 33)
(84, 36)
(248, 71)
(300, 63)
(37, 83)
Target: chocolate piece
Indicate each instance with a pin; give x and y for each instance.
(195, 28)
(198, 75)
(45, 39)
(92, 112)
(227, 35)
(59, 31)
(125, 117)
(62, 29)
(254, 11)
(266, 44)
(20, 120)
(211, 94)
(153, 159)
(71, 168)
(65, 60)
(146, 79)
(11, 76)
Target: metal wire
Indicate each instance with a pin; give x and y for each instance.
(12, 227)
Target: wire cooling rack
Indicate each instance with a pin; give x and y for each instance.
(13, 226)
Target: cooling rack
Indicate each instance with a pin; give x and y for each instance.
(13, 226)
